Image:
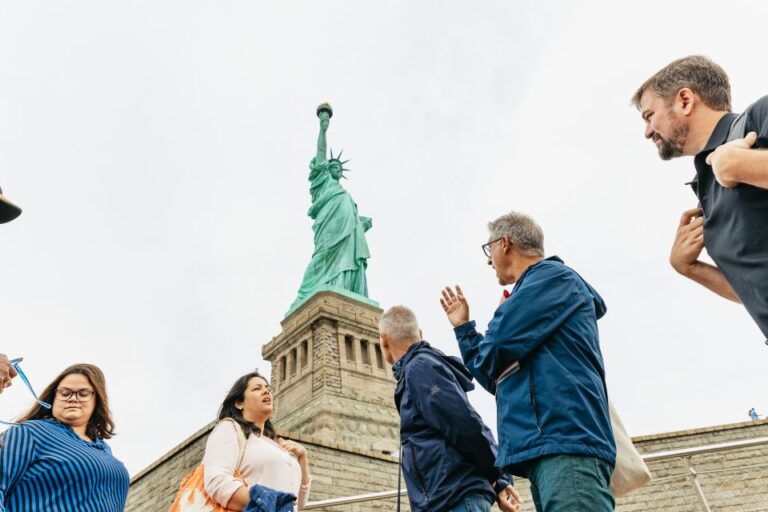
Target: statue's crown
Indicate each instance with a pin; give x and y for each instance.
(339, 161)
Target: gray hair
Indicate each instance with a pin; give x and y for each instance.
(521, 231)
(399, 323)
(696, 72)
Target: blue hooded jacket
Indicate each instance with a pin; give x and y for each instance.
(448, 452)
(556, 402)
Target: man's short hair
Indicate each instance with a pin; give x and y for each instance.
(521, 231)
(696, 72)
(399, 323)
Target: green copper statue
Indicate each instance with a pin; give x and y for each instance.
(341, 252)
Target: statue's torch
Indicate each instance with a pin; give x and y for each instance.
(324, 111)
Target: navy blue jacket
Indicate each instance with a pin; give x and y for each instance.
(448, 452)
(556, 402)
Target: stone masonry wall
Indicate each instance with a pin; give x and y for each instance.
(735, 480)
(336, 471)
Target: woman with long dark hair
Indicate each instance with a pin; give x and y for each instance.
(56, 459)
(266, 460)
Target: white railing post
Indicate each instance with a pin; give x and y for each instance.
(696, 485)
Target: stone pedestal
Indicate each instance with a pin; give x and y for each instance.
(329, 376)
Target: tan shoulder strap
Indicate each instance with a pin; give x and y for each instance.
(241, 440)
(738, 128)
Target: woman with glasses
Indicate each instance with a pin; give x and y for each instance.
(56, 457)
(268, 461)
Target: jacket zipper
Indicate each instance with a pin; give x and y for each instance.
(418, 475)
(533, 398)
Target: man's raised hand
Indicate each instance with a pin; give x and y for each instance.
(689, 241)
(723, 158)
(455, 306)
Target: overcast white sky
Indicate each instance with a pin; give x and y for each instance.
(159, 150)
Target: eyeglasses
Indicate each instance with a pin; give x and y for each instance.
(487, 247)
(81, 395)
(25, 380)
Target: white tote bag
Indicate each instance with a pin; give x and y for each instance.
(630, 472)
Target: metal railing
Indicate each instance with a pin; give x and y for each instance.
(360, 498)
(685, 454)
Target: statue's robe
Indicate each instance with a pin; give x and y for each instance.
(341, 252)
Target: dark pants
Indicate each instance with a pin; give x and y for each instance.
(571, 483)
(472, 503)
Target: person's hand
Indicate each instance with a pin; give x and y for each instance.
(509, 500)
(455, 306)
(7, 372)
(689, 241)
(723, 157)
(324, 122)
(293, 448)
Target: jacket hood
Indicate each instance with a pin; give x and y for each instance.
(463, 377)
(600, 307)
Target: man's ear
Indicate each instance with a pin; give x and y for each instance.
(506, 243)
(685, 101)
(384, 339)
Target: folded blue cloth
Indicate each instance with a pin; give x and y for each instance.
(264, 499)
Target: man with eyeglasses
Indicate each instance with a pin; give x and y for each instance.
(541, 358)
(8, 212)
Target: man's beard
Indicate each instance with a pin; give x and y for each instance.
(672, 147)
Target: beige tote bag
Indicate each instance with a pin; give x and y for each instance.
(630, 472)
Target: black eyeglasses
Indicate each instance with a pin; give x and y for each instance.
(487, 247)
(81, 395)
(25, 380)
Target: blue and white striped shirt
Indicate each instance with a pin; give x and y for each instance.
(45, 465)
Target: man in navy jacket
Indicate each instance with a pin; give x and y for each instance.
(448, 453)
(541, 358)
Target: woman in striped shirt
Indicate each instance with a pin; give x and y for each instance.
(56, 459)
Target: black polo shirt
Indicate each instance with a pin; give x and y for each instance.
(736, 219)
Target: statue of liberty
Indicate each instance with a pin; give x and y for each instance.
(341, 252)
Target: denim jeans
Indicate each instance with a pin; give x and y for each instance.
(472, 503)
(572, 483)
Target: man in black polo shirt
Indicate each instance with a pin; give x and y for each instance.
(686, 107)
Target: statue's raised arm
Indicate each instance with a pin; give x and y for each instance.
(324, 113)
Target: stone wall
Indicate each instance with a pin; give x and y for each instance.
(734, 480)
(153, 489)
(336, 471)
